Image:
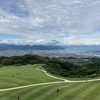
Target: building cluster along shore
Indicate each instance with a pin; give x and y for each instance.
(50, 53)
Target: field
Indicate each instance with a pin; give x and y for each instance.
(17, 76)
(13, 76)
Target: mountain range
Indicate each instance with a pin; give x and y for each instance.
(26, 47)
(52, 45)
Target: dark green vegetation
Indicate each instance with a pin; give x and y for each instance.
(67, 67)
(22, 60)
(77, 61)
(73, 68)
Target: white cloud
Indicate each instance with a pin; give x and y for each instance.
(40, 21)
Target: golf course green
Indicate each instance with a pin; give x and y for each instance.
(29, 83)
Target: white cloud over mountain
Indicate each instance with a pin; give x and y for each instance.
(40, 21)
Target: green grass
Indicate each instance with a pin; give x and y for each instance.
(28, 75)
(68, 91)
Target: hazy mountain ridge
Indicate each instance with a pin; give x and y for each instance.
(53, 45)
(26, 47)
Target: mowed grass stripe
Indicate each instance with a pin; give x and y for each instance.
(2, 94)
(12, 95)
(98, 96)
(20, 76)
(68, 91)
(25, 92)
(42, 91)
(11, 81)
(51, 90)
(93, 94)
(77, 91)
(20, 92)
(83, 94)
(62, 90)
(29, 95)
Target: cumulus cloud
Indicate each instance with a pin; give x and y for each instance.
(68, 21)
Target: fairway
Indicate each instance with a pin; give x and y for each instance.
(30, 75)
(14, 76)
(68, 91)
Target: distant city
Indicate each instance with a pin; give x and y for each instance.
(75, 51)
(50, 53)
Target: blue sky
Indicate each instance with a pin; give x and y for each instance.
(41, 21)
(9, 36)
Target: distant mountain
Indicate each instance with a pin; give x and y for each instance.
(53, 45)
(53, 42)
(27, 47)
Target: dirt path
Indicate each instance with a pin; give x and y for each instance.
(53, 76)
(62, 81)
(65, 79)
(20, 87)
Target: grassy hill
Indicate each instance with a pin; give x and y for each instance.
(29, 75)
(13, 76)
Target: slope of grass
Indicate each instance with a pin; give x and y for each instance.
(68, 91)
(29, 75)
(12, 76)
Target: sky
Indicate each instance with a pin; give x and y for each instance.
(41, 21)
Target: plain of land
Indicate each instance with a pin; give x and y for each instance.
(37, 85)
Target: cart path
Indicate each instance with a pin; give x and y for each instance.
(65, 80)
(38, 84)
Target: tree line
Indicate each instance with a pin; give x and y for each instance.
(22, 60)
(55, 66)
